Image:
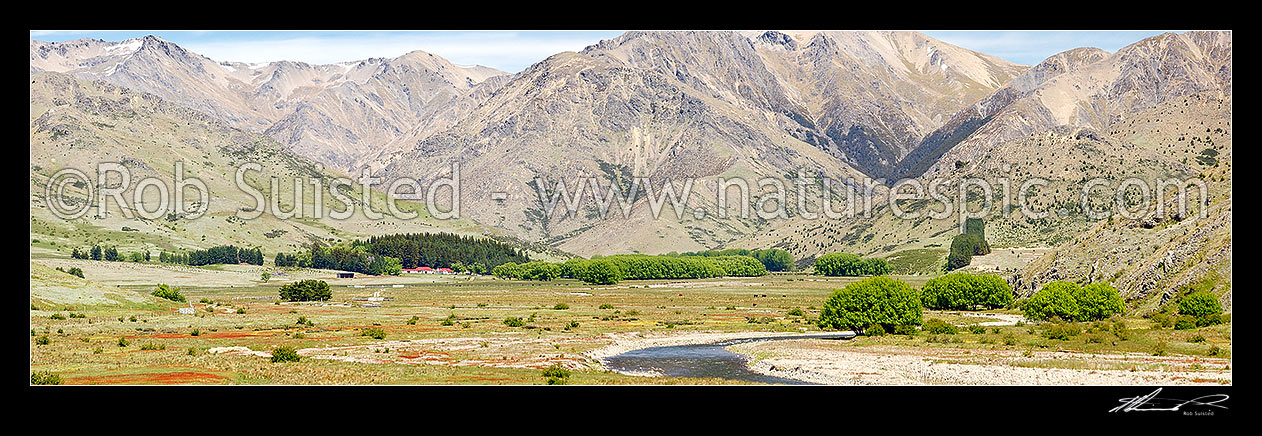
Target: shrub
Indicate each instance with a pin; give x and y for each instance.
(43, 340)
(963, 291)
(938, 327)
(374, 333)
(1120, 330)
(1068, 301)
(556, 371)
(606, 306)
(850, 265)
(123, 342)
(874, 300)
(556, 374)
(413, 320)
(1203, 306)
(513, 321)
(1163, 320)
(45, 378)
(306, 290)
(874, 330)
(1061, 331)
(977, 329)
(285, 353)
(173, 294)
(561, 306)
(1209, 320)
(1185, 322)
(905, 330)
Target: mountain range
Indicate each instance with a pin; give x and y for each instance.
(675, 105)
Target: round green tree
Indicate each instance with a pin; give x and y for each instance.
(1098, 301)
(1070, 302)
(1055, 299)
(306, 290)
(1202, 306)
(963, 291)
(875, 300)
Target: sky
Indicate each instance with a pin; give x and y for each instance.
(513, 51)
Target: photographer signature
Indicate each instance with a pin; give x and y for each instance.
(1153, 403)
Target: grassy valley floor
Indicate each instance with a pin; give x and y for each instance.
(434, 329)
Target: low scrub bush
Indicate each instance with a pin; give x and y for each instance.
(1185, 322)
(874, 330)
(45, 378)
(905, 330)
(285, 353)
(938, 327)
(373, 332)
(167, 292)
(556, 375)
(1061, 331)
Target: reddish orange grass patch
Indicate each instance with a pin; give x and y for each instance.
(164, 378)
